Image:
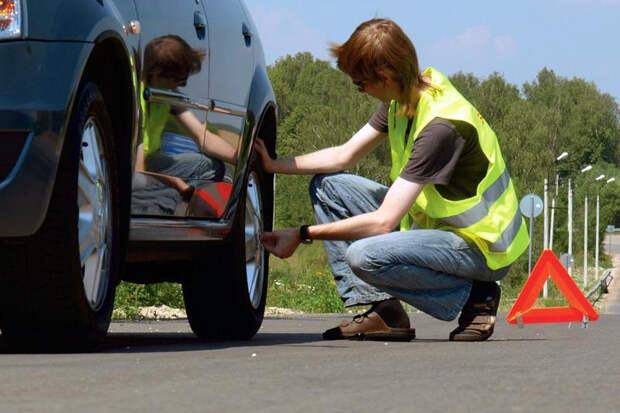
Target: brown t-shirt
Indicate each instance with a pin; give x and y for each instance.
(446, 153)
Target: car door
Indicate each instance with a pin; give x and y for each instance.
(231, 70)
(175, 160)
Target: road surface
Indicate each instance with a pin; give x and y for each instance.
(161, 366)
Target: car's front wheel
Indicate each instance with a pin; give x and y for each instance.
(225, 296)
(59, 291)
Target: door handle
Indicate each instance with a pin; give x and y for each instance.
(247, 35)
(246, 32)
(199, 21)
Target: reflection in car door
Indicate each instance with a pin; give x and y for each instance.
(175, 160)
(231, 69)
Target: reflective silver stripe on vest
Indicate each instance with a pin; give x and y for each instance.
(509, 234)
(481, 209)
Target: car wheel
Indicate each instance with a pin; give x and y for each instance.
(59, 292)
(225, 296)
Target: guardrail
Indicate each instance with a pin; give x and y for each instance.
(602, 287)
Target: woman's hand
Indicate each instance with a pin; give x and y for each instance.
(184, 189)
(266, 159)
(282, 243)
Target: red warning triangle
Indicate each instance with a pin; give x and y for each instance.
(578, 304)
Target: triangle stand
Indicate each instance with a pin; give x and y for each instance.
(578, 309)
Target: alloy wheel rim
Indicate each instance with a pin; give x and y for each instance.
(95, 216)
(254, 250)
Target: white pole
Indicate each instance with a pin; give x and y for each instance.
(596, 249)
(585, 241)
(529, 261)
(546, 225)
(570, 227)
(551, 224)
(557, 187)
(546, 215)
(585, 230)
(545, 288)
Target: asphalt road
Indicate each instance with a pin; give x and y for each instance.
(161, 366)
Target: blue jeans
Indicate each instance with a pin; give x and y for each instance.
(430, 269)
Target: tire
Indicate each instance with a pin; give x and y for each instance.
(57, 292)
(225, 296)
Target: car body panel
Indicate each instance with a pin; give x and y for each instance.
(37, 100)
(39, 87)
(76, 20)
(231, 55)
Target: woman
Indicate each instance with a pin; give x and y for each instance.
(451, 196)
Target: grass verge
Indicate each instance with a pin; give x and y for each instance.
(304, 282)
(130, 297)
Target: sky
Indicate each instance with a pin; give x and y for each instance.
(574, 38)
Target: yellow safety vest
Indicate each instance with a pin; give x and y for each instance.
(154, 118)
(491, 219)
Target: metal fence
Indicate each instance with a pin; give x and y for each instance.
(602, 287)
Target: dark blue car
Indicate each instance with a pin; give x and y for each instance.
(126, 133)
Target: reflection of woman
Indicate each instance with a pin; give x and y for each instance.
(168, 61)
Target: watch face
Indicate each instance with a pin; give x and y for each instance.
(303, 235)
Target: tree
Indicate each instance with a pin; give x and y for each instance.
(319, 107)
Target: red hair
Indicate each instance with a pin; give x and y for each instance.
(380, 46)
(171, 56)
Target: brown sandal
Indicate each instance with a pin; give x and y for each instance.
(368, 326)
(477, 319)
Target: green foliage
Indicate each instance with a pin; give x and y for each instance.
(319, 107)
(304, 282)
(130, 297)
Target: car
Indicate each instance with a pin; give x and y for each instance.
(126, 153)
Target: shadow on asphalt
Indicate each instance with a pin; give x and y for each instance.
(491, 340)
(168, 342)
(174, 342)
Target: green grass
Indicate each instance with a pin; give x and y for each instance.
(130, 297)
(304, 282)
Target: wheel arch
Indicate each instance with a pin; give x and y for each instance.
(262, 107)
(267, 131)
(111, 67)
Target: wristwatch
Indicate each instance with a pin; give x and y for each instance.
(303, 234)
